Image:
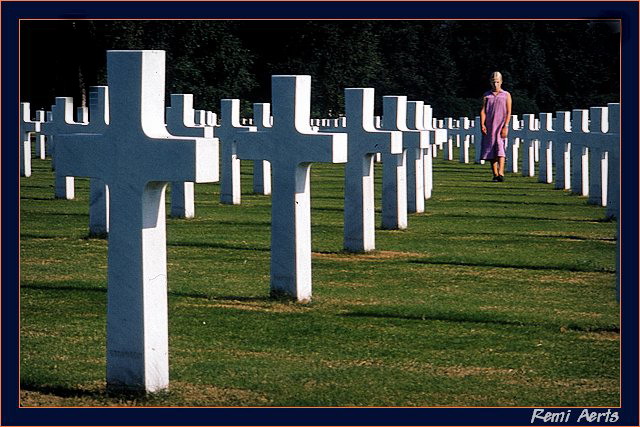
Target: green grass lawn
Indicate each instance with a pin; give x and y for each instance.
(500, 294)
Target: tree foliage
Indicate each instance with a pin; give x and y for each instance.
(547, 65)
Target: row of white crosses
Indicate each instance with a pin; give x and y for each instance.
(576, 150)
(127, 150)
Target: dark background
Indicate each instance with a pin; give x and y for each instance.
(548, 65)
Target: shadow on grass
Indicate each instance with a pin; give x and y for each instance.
(493, 235)
(515, 202)
(527, 218)
(62, 391)
(89, 287)
(584, 269)
(205, 245)
(101, 394)
(484, 319)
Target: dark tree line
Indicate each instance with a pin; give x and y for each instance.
(547, 65)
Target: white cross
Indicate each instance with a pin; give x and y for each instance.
(546, 135)
(61, 122)
(98, 191)
(562, 150)
(417, 141)
(136, 158)
(613, 142)
(512, 145)
(436, 136)
(579, 153)
(364, 142)
(394, 166)
(181, 122)
(230, 128)
(291, 146)
(262, 168)
(594, 140)
(27, 127)
(528, 134)
(476, 140)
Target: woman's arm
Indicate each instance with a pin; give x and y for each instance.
(505, 128)
(483, 115)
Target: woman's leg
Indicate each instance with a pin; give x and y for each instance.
(501, 165)
(494, 167)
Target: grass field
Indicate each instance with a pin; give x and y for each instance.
(500, 294)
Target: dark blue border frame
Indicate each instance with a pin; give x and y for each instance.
(13, 11)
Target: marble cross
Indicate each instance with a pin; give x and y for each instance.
(291, 146)
(579, 152)
(436, 136)
(528, 135)
(27, 127)
(562, 150)
(613, 142)
(227, 133)
(181, 122)
(364, 142)
(136, 157)
(262, 168)
(98, 190)
(62, 121)
(546, 134)
(512, 146)
(476, 140)
(599, 145)
(417, 141)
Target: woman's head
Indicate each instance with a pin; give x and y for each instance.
(495, 80)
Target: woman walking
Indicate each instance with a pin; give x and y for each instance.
(494, 121)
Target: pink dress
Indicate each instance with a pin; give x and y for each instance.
(496, 110)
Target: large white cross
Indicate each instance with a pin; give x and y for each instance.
(291, 146)
(227, 132)
(136, 157)
(181, 122)
(364, 142)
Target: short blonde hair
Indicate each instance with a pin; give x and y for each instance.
(495, 74)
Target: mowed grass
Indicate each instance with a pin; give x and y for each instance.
(500, 294)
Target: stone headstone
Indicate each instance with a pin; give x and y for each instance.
(262, 168)
(181, 122)
(416, 140)
(27, 127)
(136, 157)
(394, 167)
(62, 122)
(364, 141)
(98, 190)
(291, 146)
(562, 150)
(596, 141)
(227, 133)
(613, 142)
(579, 153)
(546, 135)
